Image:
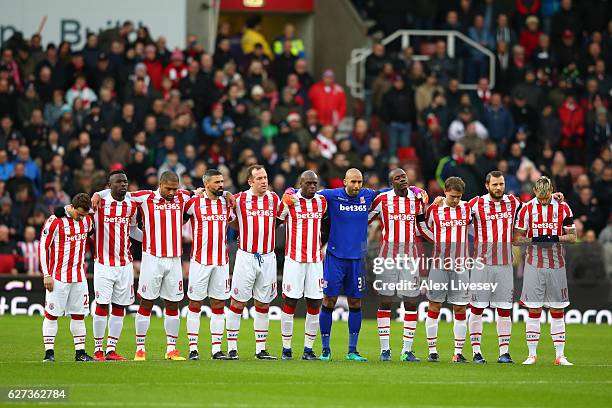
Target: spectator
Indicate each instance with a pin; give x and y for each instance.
(458, 127)
(445, 164)
(28, 249)
(399, 114)
(566, 51)
(586, 209)
(171, 163)
(477, 66)
(53, 109)
(523, 115)
(360, 137)
(176, 70)
(572, 128)
(561, 177)
(252, 36)
(381, 85)
(530, 37)
(503, 32)
(31, 169)
(6, 167)
(115, 149)
(441, 65)
(603, 190)
(424, 93)
(328, 100)
(296, 44)
(284, 64)
(153, 67)
(9, 254)
(498, 121)
(88, 179)
(302, 135)
(549, 129)
(286, 106)
(326, 142)
(565, 19)
(213, 125)
(27, 104)
(81, 90)
(374, 64)
(543, 54)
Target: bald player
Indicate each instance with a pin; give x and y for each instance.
(303, 270)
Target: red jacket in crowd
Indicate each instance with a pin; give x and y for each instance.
(572, 122)
(529, 40)
(329, 102)
(155, 70)
(175, 73)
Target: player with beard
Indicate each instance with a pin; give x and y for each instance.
(210, 215)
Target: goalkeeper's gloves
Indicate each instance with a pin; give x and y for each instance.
(419, 193)
(289, 196)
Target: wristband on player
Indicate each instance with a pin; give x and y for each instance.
(421, 217)
(546, 238)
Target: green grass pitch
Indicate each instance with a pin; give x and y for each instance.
(249, 382)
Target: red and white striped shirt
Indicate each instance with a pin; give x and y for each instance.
(209, 220)
(62, 248)
(303, 228)
(30, 255)
(256, 221)
(449, 229)
(162, 222)
(398, 223)
(112, 222)
(538, 220)
(493, 226)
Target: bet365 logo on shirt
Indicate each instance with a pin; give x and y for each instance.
(353, 207)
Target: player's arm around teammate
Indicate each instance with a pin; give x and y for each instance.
(545, 222)
(254, 274)
(303, 268)
(208, 270)
(62, 252)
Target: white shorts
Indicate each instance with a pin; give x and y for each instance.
(404, 282)
(67, 298)
(208, 281)
(161, 277)
(501, 297)
(302, 279)
(114, 284)
(253, 278)
(446, 285)
(544, 287)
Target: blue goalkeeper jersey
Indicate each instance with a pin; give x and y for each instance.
(348, 216)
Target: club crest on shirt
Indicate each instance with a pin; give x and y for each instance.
(361, 200)
(235, 291)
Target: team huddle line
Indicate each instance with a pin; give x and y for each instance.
(406, 220)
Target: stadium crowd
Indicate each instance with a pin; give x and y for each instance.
(125, 101)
